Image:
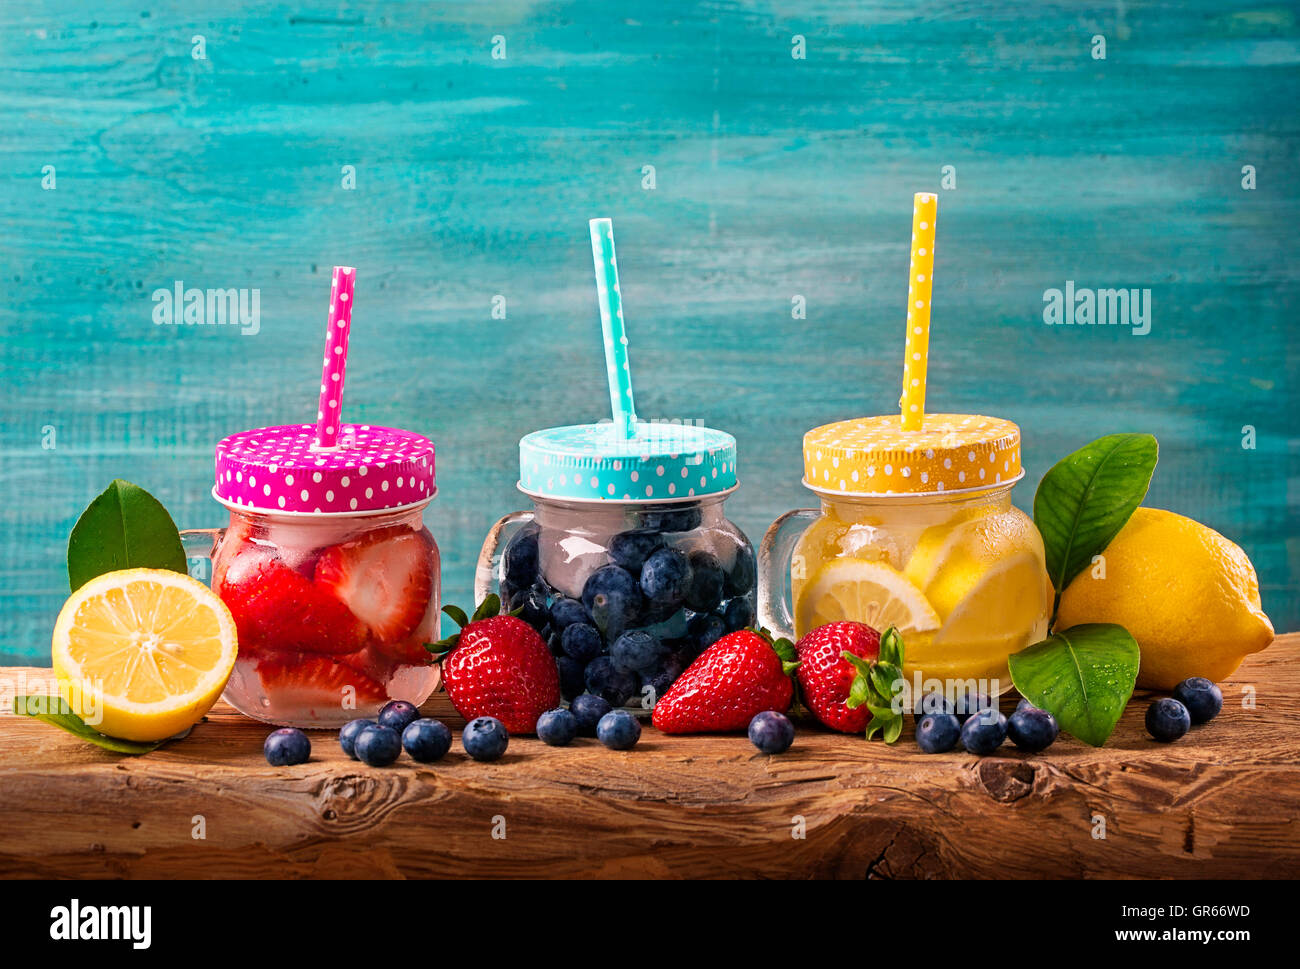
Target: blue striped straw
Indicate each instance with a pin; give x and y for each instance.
(611, 322)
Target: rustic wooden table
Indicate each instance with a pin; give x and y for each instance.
(1223, 802)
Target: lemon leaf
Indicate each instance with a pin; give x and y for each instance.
(125, 527)
(1086, 498)
(55, 711)
(1083, 676)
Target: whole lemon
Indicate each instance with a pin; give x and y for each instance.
(1187, 595)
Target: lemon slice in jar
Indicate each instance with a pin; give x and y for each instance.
(870, 592)
(142, 654)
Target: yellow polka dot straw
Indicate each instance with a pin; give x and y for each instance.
(925, 207)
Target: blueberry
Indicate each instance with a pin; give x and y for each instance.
(557, 728)
(666, 578)
(629, 550)
(1032, 729)
(348, 735)
(397, 714)
(673, 520)
(705, 591)
(572, 678)
(587, 709)
(378, 746)
(1202, 698)
(937, 733)
(519, 564)
(1167, 720)
(1024, 705)
(739, 614)
(613, 598)
(286, 747)
(607, 680)
(530, 604)
(662, 680)
(969, 703)
(618, 730)
(932, 703)
(983, 731)
(485, 738)
(426, 739)
(706, 630)
(565, 612)
(771, 732)
(636, 649)
(740, 577)
(581, 642)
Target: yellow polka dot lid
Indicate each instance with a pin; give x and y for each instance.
(875, 456)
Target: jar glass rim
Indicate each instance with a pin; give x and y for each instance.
(914, 497)
(608, 502)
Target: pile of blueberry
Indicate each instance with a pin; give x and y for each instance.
(1196, 700)
(589, 716)
(643, 617)
(399, 726)
(975, 721)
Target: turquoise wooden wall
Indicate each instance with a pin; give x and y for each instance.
(774, 178)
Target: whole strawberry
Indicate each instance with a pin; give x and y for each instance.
(851, 677)
(826, 677)
(741, 674)
(498, 666)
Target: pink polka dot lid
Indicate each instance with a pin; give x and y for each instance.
(283, 469)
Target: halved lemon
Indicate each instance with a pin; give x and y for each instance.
(142, 654)
(870, 592)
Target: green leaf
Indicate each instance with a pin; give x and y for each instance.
(124, 528)
(491, 606)
(891, 647)
(457, 615)
(1085, 499)
(55, 710)
(1083, 676)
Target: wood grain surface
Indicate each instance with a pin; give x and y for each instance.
(775, 178)
(1223, 802)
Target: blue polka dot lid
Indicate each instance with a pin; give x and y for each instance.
(659, 462)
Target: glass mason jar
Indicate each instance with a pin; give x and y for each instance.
(626, 590)
(333, 594)
(936, 548)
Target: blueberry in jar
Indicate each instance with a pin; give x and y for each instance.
(636, 650)
(608, 681)
(587, 709)
(581, 642)
(674, 520)
(705, 591)
(1167, 720)
(663, 678)
(1032, 729)
(630, 549)
(286, 747)
(665, 579)
(705, 630)
(738, 615)
(573, 679)
(937, 733)
(426, 740)
(612, 596)
(485, 738)
(740, 577)
(1202, 698)
(519, 564)
(565, 612)
(530, 605)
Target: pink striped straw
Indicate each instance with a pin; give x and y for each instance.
(338, 328)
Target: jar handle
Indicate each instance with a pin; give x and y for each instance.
(501, 532)
(775, 561)
(200, 544)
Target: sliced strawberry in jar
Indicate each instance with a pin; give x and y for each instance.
(307, 680)
(275, 608)
(385, 577)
